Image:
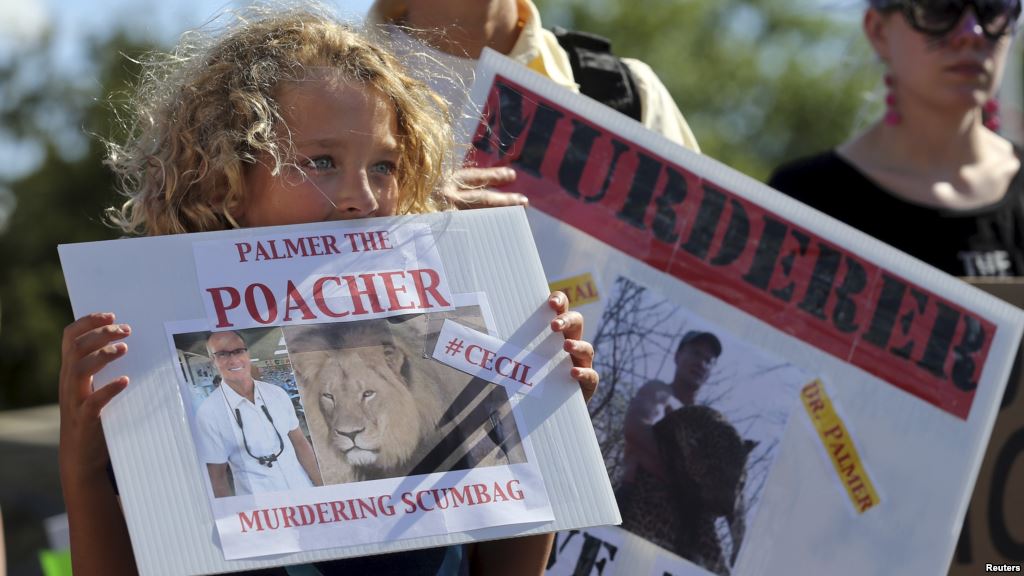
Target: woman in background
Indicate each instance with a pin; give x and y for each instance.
(931, 177)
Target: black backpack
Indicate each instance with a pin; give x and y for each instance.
(601, 75)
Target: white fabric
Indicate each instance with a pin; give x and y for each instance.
(220, 439)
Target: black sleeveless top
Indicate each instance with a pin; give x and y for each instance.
(986, 241)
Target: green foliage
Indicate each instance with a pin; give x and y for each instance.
(60, 201)
(759, 82)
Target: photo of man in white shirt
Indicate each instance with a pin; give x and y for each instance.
(248, 433)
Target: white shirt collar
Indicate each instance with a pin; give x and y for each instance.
(234, 398)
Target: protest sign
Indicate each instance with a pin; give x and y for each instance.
(667, 247)
(285, 405)
(993, 531)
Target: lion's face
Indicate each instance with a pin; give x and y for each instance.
(372, 419)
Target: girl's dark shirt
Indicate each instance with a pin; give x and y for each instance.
(986, 241)
(427, 562)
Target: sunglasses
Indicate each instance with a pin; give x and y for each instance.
(939, 17)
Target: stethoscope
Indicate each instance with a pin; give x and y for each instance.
(268, 460)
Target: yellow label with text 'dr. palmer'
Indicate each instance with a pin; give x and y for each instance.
(839, 447)
(580, 289)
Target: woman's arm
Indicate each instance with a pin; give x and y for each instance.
(99, 537)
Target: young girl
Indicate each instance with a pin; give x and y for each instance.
(284, 119)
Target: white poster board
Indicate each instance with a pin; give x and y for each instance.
(873, 470)
(305, 302)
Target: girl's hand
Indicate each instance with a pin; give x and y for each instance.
(570, 324)
(89, 344)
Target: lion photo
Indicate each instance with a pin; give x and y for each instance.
(379, 406)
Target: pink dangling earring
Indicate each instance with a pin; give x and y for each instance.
(990, 115)
(892, 115)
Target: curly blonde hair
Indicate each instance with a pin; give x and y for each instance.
(205, 113)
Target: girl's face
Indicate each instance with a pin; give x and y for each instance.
(347, 155)
(956, 71)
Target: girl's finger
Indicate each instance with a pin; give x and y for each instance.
(588, 379)
(81, 347)
(97, 400)
(558, 302)
(581, 352)
(570, 324)
(85, 368)
(81, 326)
(98, 338)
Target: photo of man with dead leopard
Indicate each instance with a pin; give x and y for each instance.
(689, 419)
(378, 406)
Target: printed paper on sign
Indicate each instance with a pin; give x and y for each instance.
(375, 411)
(580, 290)
(839, 447)
(491, 359)
(304, 278)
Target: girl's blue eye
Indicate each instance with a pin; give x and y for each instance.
(386, 168)
(320, 163)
